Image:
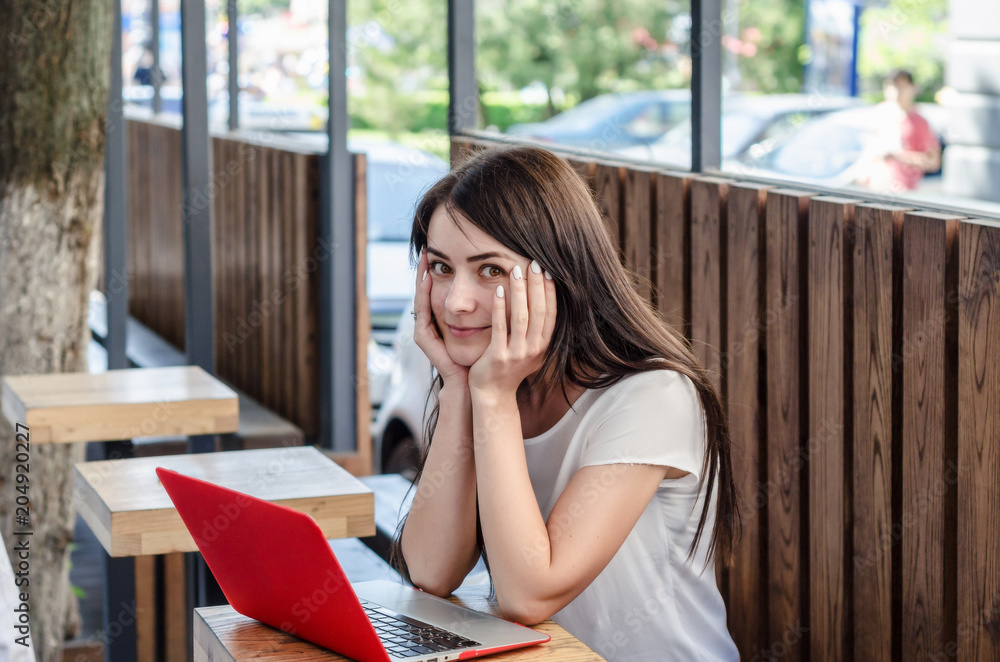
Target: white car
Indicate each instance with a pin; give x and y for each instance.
(397, 433)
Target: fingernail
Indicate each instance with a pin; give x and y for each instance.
(517, 272)
(500, 291)
(547, 276)
(535, 267)
(424, 277)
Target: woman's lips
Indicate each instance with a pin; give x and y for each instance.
(460, 332)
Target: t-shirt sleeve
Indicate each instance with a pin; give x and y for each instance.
(652, 417)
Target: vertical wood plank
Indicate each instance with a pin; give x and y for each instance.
(671, 244)
(264, 256)
(978, 629)
(175, 608)
(299, 291)
(362, 316)
(829, 425)
(748, 623)
(310, 423)
(785, 314)
(171, 273)
(145, 608)
(638, 204)
(924, 379)
(608, 194)
(708, 221)
(872, 299)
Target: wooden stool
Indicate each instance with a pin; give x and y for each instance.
(223, 635)
(119, 405)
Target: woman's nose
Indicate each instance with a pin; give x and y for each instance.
(461, 296)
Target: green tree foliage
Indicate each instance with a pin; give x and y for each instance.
(771, 34)
(581, 47)
(904, 34)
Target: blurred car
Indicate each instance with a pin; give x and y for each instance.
(830, 151)
(397, 433)
(746, 121)
(612, 121)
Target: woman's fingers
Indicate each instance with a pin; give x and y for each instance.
(499, 339)
(519, 315)
(537, 302)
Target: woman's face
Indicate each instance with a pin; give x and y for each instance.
(466, 265)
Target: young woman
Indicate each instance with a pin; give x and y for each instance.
(574, 439)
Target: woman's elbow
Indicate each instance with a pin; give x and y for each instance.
(438, 586)
(526, 611)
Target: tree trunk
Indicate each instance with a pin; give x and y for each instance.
(53, 102)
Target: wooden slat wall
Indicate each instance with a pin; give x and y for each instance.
(266, 206)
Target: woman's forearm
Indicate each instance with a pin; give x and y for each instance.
(439, 538)
(513, 528)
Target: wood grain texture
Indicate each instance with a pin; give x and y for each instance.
(120, 404)
(978, 563)
(608, 194)
(362, 320)
(672, 250)
(829, 422)
(639, 208)
(265, 202)
(784, 317)
(145, 608)
(708, 276)
(923, 373)
(131, 514)
(175, 608)
(871, 261)
(744, 333)
(223, 635)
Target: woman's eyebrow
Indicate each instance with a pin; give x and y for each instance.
(473, 258)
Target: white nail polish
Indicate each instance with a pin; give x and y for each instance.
(517, 272)
(500, 291)
(424, 277)
(547, 276)
(535, 267)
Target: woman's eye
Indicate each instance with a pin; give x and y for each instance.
(491, 271)
(439, 268)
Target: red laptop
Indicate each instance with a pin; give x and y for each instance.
(275, 565)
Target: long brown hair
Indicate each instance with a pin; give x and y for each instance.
(535, 204)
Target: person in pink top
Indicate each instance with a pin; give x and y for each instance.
(906, 145)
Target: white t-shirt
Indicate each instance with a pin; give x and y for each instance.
(650, 602)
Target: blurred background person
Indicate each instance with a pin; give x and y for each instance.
(905, 145)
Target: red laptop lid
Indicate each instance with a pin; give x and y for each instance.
(274, 565)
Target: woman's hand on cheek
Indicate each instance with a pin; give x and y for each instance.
(426, 334)
(516, 353)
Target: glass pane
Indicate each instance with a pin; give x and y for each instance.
(593, 76)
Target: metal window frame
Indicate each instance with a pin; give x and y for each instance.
(337, 267)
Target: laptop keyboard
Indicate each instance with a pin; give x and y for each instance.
(403, 636)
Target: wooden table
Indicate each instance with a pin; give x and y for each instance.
(120, 404)
(130, 513)
(223, 635)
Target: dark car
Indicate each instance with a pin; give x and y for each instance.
(612, 121)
